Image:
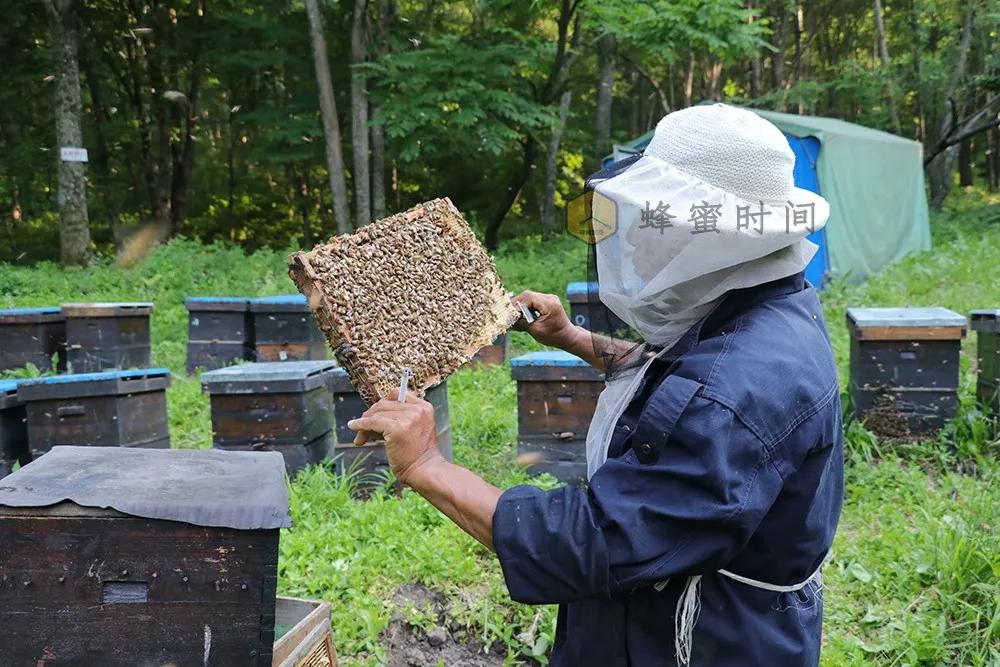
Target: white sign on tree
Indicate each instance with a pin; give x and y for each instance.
(70, 154)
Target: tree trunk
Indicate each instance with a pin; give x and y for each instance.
(965, 175)
(74, 225)
(778, 56)
(101, 156)
(689, 81)
(993, 159)
(755, 61)
(883, 52)
(552, 166)
(183, 153)
(359, 116)
(517, 182)
(940, 168)
(378, 131)
(331, 126)
(606, 62)
(918, 73)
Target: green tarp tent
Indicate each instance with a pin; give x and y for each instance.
(874, 182)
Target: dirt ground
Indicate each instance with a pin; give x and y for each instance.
(410, 646)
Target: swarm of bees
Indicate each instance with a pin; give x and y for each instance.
(415, 290)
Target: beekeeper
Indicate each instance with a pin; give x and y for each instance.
(715, 454)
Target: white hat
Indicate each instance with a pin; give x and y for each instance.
(733, 149)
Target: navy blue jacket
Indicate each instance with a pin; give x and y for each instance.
(730, 457)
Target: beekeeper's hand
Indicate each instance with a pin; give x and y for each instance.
(552, 326)
(409, 432)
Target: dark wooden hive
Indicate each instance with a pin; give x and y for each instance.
(493, 354)
(281, 406)
(32, 335)
(986, 324)
(556, 398)
(220, 331)
(106, 336)
(371, 457)
(106, 409)
(586, 309)
(285, 329)
(141, 557)
(13, 428)
(905, 368)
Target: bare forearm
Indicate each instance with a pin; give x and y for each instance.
(464, 497)
(595, 349)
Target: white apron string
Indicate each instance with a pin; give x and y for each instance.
(689, 606)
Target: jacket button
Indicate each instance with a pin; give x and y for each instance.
(645, 449)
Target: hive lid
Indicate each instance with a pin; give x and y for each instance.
(241, 490)
(217, 303)
(906, 323)
(294, 303)
(986, 320)
(30, 315)
(94, 384)
(108, 309)
(415, 290)
(267, 377)
(549, 358)
(578, 292)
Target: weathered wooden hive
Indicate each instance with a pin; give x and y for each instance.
(122, 557)
(32, 335)
(586, 309)
(105, 336)
(13, 428)
(285, 330)
(416, 290)
(905, 368)
(986, 324)
(556, 398)
(220, 331)
(106, 409)
(371, 457)
(493, 354)
(285, 407)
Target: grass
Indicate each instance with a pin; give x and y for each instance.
(914, 577)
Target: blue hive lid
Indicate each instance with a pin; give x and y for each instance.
(905, 317)
(581, 289)
(96, 377)
(549, 358)
(281, 299)
(216, 299)
(8, 387)
(268, 371)
(48, 310)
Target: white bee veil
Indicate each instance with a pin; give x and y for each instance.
(710, 207)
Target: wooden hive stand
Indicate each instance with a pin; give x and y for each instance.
(32, 336)
(285, 329)
(905, 369)
(13, 429)
(106, 409)
(986, 324)
(285, 407)
(556, 399)
(220, 332)
(107, 336)
(163, 557)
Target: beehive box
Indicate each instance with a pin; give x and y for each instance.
(106, 409)
(371, 457)
(220, 331)
(986, 324)
(106, 336)
(122, 557)
(13, 428)
(285, 329)
(415, 290)
(493, 354)
(556, 397)
(32, 335)
(904, 368)
(586, 309)
(303, 633)
(281, 406)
